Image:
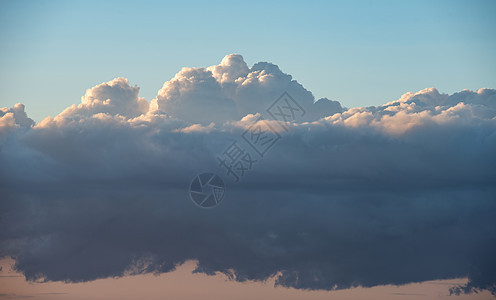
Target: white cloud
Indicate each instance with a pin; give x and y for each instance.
(12, 118)
(231, 90)
(115, 97)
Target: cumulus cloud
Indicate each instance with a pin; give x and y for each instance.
(398, 193)
(12, 118)
(113, 98)
(231, 90)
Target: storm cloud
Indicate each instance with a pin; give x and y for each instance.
(399, 193)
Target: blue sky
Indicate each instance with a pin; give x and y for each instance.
(361, 53)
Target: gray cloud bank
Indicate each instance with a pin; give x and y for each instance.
(399, 193)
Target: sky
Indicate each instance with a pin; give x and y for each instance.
(359, 54)
(179, 286)
(271, 151)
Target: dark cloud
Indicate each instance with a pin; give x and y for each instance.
(400, 193)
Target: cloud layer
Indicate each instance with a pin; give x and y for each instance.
(398, 193)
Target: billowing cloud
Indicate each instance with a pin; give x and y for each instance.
(231, 90)
(12, 118)
(399, 193)
(113, 98)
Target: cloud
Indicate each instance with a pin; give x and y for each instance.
(399, 193)
(114, 98)
(12, 118)
(231, 90)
